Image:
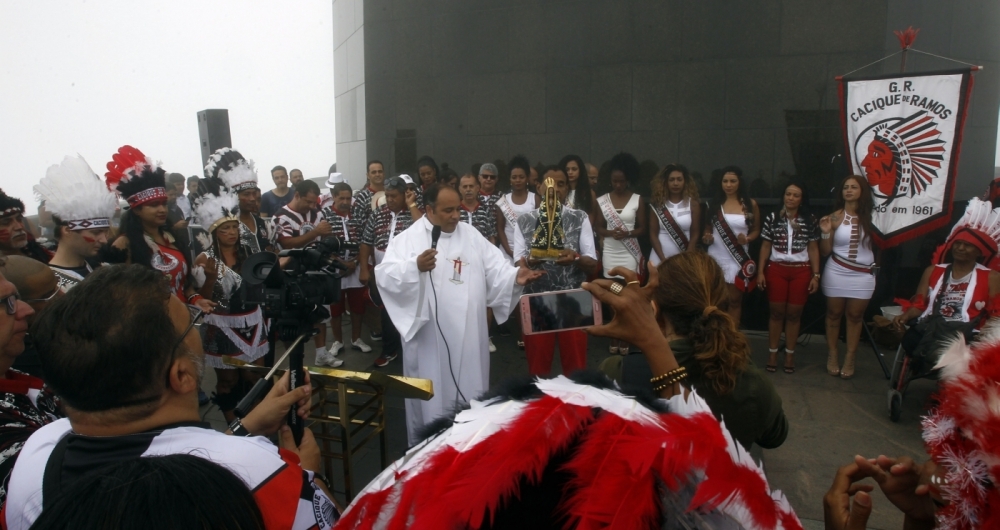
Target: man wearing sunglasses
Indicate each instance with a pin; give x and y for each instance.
(23, 407)
(128, 376)
(489, 194)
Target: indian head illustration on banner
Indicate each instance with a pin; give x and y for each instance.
(903, 133)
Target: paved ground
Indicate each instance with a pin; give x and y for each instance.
(831, 420)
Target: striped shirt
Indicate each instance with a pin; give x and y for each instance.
(346, 228)
(785, 247)
(285, 493)
(289, 223)
(382, 226)
(482, 218)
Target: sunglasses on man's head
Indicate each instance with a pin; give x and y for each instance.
(393, 182)
(47, 298)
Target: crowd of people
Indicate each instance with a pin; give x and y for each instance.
(127, 306)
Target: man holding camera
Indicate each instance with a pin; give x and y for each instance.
(122, 354)
(299, 224)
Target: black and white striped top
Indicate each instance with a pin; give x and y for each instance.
(783, 247)
(289, 223)
(483, 218)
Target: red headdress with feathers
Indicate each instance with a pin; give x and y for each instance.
(980, 227)
(136, 177)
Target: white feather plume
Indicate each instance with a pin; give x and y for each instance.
(955, 358)
(73, 192)
(241, 173)
(209, 209)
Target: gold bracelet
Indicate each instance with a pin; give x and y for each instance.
(670, 383)
(669, 374)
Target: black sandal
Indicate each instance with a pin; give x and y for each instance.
(769, 366)
(789, 369)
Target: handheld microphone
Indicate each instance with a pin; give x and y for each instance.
(435, 235)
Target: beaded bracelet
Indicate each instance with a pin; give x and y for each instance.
(669, 374)
(670, 382)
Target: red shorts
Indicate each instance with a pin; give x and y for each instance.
(356, 299)
(788, 283)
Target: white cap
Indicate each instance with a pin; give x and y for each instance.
(406, 178)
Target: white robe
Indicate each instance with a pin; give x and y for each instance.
(486, 279)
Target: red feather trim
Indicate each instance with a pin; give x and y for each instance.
(726, 482)
(364, 514)
(420, 490)
(489, 473)
(612, 486)
(121, 163)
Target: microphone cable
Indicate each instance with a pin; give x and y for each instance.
(437, 321)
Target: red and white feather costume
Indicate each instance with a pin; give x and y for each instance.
(962, 433)
(623, 459)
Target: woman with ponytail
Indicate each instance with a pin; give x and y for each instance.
(690, 296)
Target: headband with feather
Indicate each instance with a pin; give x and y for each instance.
(76, 196)
(211, 211)
(980, 227)
(136, 177)
(10, 205)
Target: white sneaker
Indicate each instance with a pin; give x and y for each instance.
(360, 345)
(336, 347)
(493, 347)
(327, 359)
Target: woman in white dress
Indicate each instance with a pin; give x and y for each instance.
(621, 221)
(675, 206)
(739, 213)
(508, 208)
(848, 281)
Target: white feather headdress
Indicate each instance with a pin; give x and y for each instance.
(76, 195)
(212, 210)
(242, 176)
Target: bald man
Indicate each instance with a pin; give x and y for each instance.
(37, 286)
(592, 175)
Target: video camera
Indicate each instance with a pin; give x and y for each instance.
(295, 298)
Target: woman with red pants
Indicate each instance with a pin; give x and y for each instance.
(789, 270)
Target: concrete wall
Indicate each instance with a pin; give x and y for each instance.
(705, 83)
(349, 88)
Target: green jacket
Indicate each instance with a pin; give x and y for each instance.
(752, 411)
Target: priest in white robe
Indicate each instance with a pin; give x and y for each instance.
(438, 299)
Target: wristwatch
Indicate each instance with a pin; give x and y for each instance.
(237, 428)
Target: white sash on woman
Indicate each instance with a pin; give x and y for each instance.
(615, 223)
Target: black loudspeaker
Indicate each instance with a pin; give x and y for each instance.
(213, 131)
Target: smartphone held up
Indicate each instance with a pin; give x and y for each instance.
(559, 311)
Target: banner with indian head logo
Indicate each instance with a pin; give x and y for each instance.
(903, 134)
